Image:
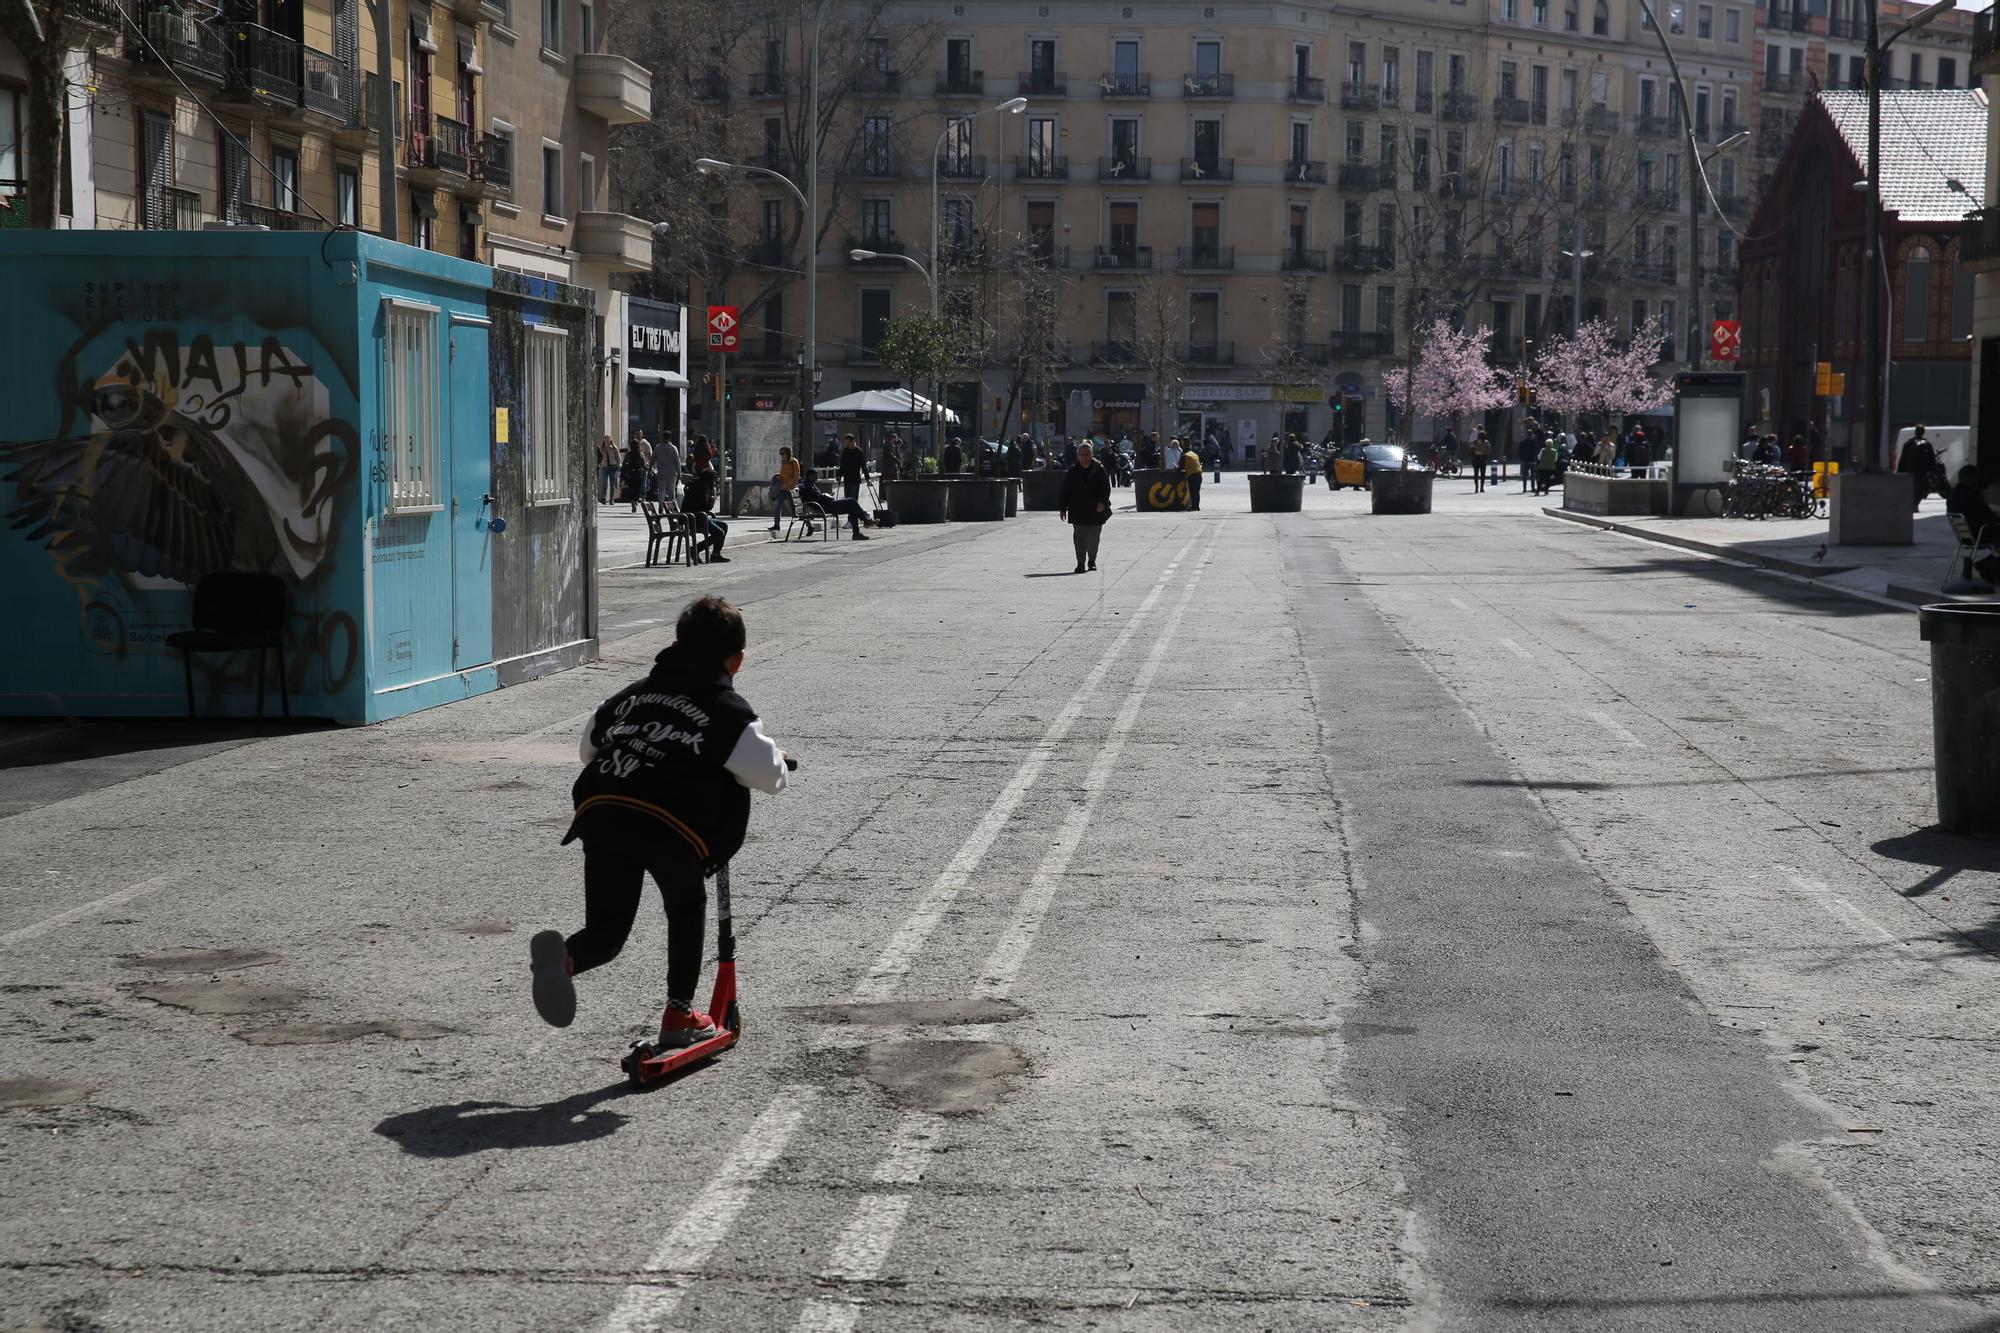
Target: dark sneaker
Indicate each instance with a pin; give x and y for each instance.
(860, 536)
(718, 558)
(1077, 570)
(1093, 566)
(680, 1029)
(555, 993)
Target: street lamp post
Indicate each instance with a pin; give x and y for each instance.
(1013, 106)
(1871, 382)
(1577, 255)
(715, 166)
(930, 277)
(811, 387)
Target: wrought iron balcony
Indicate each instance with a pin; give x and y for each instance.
(767, 83)
(102, 13)
(264, 66)
(962, 167)
(1659, 200)
(1359, 175)
(1124, 257)
(1043, 83)
(1208, 85)
(1209, 354)
(1460, 106)
(1510, 110)
(1208, 169)
(1045, 254)
(164, 209)
(1125, 85)
(1844, 29)
(1788, 83)
(1041, 167)
(194, 50)
(1301, 172)
(1206, 258)
(886, 249)
(1421, 103)
(962, 82)
(1351, 256)
(1360, 344)
(1124, 168)
(450, 146)
(494, 164)
(1114, 353)
(870, 79)
(1304, 89)
(329, 84)
(1301, 260)
(711, 87)
(881, 165)
(277, 219)
(1357, 96)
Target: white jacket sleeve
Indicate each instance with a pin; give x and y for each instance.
(757, 762)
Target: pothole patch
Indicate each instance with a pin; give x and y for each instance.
(223, 997)
(945, 1077)
(22, 1093)
(483, 928)
(917, 1013)
(205, 960)
(332, 1034)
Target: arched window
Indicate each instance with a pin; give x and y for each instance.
(1917, 294)
(1600, 18)
(1961, 301)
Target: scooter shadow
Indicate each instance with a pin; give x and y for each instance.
(459, 1129)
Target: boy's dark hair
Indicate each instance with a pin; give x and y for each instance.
(711, 628)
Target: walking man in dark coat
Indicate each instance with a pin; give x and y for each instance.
(1085, 505)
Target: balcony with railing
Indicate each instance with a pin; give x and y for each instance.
(766, 252)
(1985, 43)
(1510, 110)
(1361, 176)
(1788, 18)
(1137, 258)
(277, 219)
(1043, 83)
(1209, 86)
(962, 167)
(328, 84)
(1298, 259)
(873, 79)
(711, 87)
(1125, 85)
(1043, 253)
(1788, 83)
(1351, 256)
(1299, 171)
(880, 165)
(265, 67)
(1421, 103)
(162, 208)
(1208, 169)
(108, 14)
(1124, 168)
(1304, 89)
(1209, 354)
(887, 251)
(194, 50)
(451, 146)
(1041, 167)
(1460, 106)
(767, 83)
(1357, 96)
(1648, 126)
(1846, 30)
(962, 83)
(493, 165)
(1351, 344)
(1205, 259)
(1656, 200)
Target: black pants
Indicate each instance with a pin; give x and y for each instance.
(1194, 490)
(614, 879)
(1478, 474)
(717, 531)
(851, 487)
(850, 508)
(1085, 536)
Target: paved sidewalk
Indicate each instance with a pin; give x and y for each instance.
(1911, 575)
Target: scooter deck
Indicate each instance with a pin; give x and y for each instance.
(652, 1067)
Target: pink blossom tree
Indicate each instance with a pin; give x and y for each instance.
(1588, 373)
(1446, 375)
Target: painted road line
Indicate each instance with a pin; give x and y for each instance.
(918, 1136)
(1610, 724)
(1824, 895)
(60, 919)
(858, 1256)
(1012, 951)
(900, 953)
(708, 1219)
(1515, 649)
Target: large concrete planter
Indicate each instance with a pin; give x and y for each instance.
(1404, 492)
(917, 500)
(1277, 492)
(1871, 509)
(1042, 489)
(1586, 494)
(976, 500)
(1159, 490)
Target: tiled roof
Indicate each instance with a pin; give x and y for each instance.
(1929, 136)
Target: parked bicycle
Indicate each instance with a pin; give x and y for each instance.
(1767, 490)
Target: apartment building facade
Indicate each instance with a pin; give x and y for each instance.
(270, 113)
(1299, 183)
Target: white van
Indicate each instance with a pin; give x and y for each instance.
(1953, 445)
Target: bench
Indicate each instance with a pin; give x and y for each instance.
(669, 533)
(808, 513)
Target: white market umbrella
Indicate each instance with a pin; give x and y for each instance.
(882, 405)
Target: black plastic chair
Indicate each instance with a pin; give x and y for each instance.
(236, 613)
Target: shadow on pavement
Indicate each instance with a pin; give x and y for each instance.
(1721, 780)
(1554, 1303)
(1053, 574)
(1756, 582)
(459, 1129)
(28, 744)
(1947, 854)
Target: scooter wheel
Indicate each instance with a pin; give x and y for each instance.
(733, 1019)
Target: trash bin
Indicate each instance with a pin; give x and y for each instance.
(1965, 712)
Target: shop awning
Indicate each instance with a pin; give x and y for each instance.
(670, 379)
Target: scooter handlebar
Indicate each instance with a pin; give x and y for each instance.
(791, 764)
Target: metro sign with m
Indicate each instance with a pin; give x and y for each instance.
(723, 326)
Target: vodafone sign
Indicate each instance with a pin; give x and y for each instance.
(722, 328)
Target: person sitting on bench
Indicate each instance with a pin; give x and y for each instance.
(810, 493)
(1968, 501)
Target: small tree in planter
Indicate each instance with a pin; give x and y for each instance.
(1447, 374)
(1587, 373)
(918, 349)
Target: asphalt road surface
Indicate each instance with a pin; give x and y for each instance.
(1314, 921)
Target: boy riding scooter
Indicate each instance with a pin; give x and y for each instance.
(669, 763)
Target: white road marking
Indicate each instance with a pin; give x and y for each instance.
(1012, 950)
(708, 1219)
(918, 1136)
(1460, 605)
(901, 951)
(824, 1316)
(1515, 649)
(118, 899)
(1824, 894)
(1610, 724)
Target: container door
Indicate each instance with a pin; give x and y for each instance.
(470, 427)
